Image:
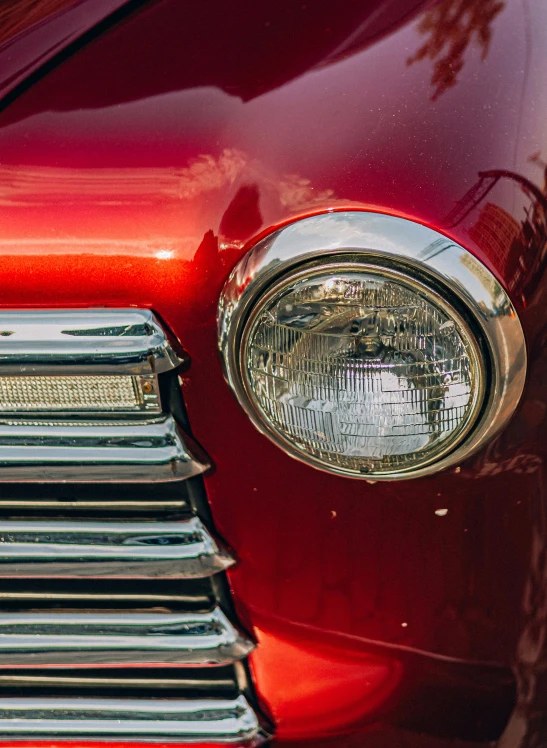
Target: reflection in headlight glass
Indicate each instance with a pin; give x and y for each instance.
(363, 371)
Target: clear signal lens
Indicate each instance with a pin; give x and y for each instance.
(77, 393)
(362, 371)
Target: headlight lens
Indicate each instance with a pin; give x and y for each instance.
(361, 369)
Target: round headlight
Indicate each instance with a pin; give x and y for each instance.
(368, 361)
(361, 368)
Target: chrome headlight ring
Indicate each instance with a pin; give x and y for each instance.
(389, 245)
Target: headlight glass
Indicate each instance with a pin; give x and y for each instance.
(361, 369)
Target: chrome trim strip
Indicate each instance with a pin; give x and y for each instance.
(85, 341)
(95, 599)
(113, 680)
(177, 720)
(74, 639)
(154, 449)
(378, 238)
(114, 550)
(122, 505)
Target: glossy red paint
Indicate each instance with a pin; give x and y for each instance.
(34, 34)
(324, 685)
(142, 168)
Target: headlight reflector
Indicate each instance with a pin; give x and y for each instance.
(361, 368)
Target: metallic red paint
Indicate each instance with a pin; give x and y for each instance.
(33, 34)
(141, 169)
(325, 687)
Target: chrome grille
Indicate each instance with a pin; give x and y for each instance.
(115, 614)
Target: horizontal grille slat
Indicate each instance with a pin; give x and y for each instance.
(100, 450)
(178, 720)
(109, 549)
(117, 639)
(70, 507)
(105, 341)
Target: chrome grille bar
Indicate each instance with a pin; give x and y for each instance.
(76, 639)
(72, 341)
(133, 451)
(177, 720)
(180, 679)
(95, 505)
(129, 550)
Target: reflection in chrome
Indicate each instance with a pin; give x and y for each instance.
(455, 281)
(86, 598)
(130, 550)
(34, 639)
(154, 449)
(205, 720)
(73, 341)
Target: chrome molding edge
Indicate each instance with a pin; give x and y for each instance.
(115, 550)
(36, 639)
(124, 505)
(378, 238)
(173, 720)
(180, 678)
(97, 450)
(85, 341)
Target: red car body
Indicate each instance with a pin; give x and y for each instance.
(143, 153)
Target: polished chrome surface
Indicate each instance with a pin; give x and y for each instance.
(400, 244)
(35, 639)
(112, 680)
(96, 505)
(105, 451)
(94, 599)
(117, 604)
(177, 720)
(76, 341)
(131, 550)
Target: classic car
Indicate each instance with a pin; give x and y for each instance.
(272, 373)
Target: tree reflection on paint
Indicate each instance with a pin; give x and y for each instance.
(18, 15)
(451, 27)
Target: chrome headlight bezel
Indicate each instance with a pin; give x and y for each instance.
(395, 245)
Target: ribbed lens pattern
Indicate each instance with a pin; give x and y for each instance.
(361, 371)
(68, 393)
